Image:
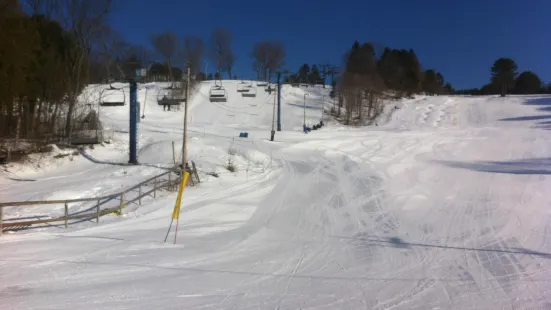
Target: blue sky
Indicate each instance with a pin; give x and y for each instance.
(461, 39)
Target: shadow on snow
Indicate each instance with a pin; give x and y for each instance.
(397, 242)
(541, 166)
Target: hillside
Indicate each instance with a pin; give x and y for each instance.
(442, 205)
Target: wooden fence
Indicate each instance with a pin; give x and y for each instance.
(168, 180)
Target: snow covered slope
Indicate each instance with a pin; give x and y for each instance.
(443, 205)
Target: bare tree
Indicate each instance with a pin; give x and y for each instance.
(260, 56)
(111, 48)
(192, 52)
(48, 8)
(360, 83)
(268, 57)
(229, 61)
(276, 57)
(220, 50)
(166, 44)
(87, 20)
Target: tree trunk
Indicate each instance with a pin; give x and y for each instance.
(340, 105)
(38, 118)
(370, 104)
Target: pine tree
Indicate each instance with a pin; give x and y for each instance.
(429, 84)
(314, 77)
(304, 73)
(504, 72)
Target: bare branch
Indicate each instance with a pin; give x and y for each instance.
(220, 50)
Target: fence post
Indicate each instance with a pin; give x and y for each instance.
(1, 223)
(173, 154)
(155, 187)
(97, 211)
(66, 215)
(140, 195)
(120, 205)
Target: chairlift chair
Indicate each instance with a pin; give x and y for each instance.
(218, 94)
(112, 97)
(251, 92)
(261, 83)
(89, 131)
(170, 97)
(242, 87)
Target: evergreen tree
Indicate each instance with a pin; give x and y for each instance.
(401, 70)
(448, 89)
(430, 84)
(200, 76)
(504, 72)
(291, 79)
(528, 83)
(314, 77)
(304, 73)
(209, 76)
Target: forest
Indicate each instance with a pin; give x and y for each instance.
(52, 49)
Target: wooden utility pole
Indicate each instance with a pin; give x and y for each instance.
(184, 146)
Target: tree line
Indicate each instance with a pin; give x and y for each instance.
(171, 55)
(44, 63)
(52, 49)
(505, 79)
(370, 74)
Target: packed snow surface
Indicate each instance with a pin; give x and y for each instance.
(444, 205)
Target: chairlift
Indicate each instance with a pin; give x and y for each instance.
(174, 85)
(88, 131)
(243, 87)
(112, 97)
(251, 92)
(261, 83)
(170, 96)
(218, 94)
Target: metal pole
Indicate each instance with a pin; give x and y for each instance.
(304, 123)
(144, 103)
(278, 101)
(133, 123)
(97, 212)
(140, 195)
(168, 231)
(173, 154)
(273, 116)
(66, 215)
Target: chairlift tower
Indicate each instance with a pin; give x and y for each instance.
(133, 146)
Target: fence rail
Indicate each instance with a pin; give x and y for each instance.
(167, 180)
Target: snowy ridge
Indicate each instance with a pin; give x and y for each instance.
(443, 205)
